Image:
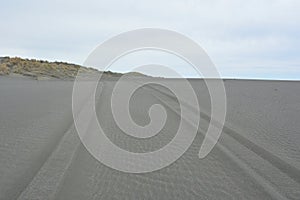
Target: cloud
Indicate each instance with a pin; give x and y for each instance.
(238, 35)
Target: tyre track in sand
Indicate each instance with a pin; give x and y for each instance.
(48, 180)
(283, 166)
(286, 168)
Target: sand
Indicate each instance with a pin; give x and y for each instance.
(257, 156)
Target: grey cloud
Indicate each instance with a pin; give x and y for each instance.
(233, 32)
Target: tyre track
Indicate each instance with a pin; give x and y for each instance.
(283, 166)
(248, 170)
(49, 178)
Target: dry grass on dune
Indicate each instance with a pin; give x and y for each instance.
(39, 68)
(4, 69)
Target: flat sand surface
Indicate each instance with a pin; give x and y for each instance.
(257, 155)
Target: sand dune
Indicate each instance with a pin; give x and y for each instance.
(257, 156)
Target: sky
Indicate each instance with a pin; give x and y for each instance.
(244, 39)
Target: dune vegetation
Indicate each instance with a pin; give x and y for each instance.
(39, 68)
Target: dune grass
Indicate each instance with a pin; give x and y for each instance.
(39, 68)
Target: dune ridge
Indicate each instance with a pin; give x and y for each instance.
(45, 70)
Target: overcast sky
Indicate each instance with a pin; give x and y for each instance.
(248, 39)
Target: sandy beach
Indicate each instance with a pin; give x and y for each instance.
(256, 157)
